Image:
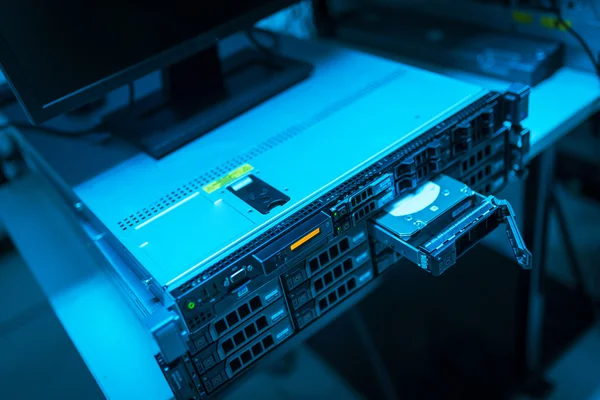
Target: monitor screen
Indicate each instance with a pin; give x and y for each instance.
(57, 55)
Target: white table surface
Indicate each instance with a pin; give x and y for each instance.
(557, 105)
(106, 330)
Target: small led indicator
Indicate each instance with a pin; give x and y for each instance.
(191, 305)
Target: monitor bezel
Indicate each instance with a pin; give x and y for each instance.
(39, 113)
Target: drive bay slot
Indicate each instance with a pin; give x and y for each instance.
(328, 277)
(246, 307)
(441, 221)
(251, 329)
(257, 348)
(296, 244)
(343, 289)
(375, 188)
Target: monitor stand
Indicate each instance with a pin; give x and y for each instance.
(201, 93)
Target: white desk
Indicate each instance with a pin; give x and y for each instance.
(557, 105)
(94, 312)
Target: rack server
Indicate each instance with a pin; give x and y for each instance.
(253, 236)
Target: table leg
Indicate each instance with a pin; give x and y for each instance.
(530, 296)
(385, 381)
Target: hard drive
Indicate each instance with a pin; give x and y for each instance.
(441, 220)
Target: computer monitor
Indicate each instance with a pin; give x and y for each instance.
(60, 56)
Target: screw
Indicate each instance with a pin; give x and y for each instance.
(79, 205)
(419, 224)
(226, 283)
(446, 192)
(249, 268)
(408, 218)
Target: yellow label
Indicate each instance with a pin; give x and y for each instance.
(551, 22)
(305, 239)
(227, 179)
(522, 17)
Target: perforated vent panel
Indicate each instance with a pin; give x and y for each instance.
(197, 183)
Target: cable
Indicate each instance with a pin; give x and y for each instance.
(577, 36)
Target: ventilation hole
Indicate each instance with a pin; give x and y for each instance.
(220, 326)
(314, 265)
(480, 175)
(239, 338)
(250, 330)
(342, 290)
(228, 346)
(257, 349)
(246, 357)
(472, 161)
(235, 364)
(323, 304)
(488, 150)
(347, 265)
(244, 311)
(344, 245)
(328, 278)
(351, 284)
(232, 318)
(323, 258)
(337, 271)
(268, 342)
(332, 297)
(319, 285)
(255, 303)
(333, 252)
(488, 170)
(262, 323)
